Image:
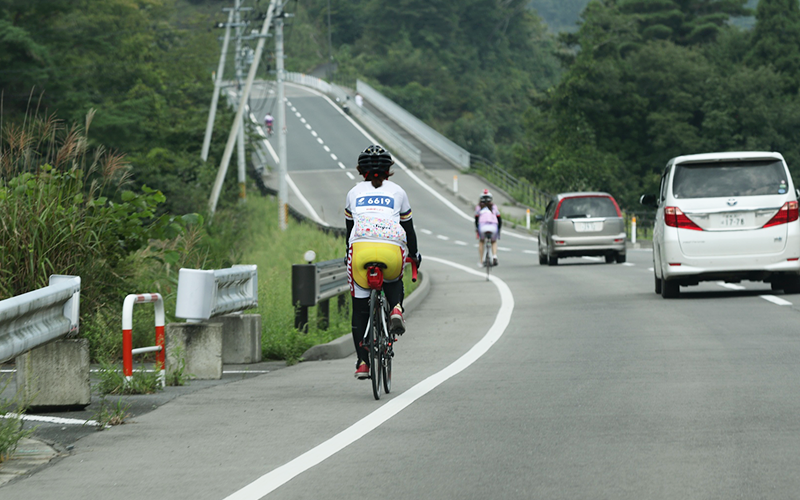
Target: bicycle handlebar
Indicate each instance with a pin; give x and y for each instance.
(413, 268)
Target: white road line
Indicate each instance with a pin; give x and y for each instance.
(650, 269)
(350, 175)
(776, 300)
(335, 158)
(52, 420)
(504, 249)
(629, 264)
(533, 252)
(273, 480)
(319, 140)
(302, 120)
(327, 150)
(272, 152)
(308, 126)
(442, 237)
(459, 242)
(426, 231)
(341, 165)
(305, 202)
(592, 258)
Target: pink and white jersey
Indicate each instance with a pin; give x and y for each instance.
(377, 212)
(486, 216)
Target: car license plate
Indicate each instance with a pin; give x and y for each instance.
(587, 227)
(731, 220)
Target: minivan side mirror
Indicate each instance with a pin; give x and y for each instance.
(538, 217)
(648, 200)
(797, 193)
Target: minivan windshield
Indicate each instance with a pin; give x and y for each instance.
(729, 178)
(586, 206)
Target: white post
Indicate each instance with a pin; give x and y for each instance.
(283, 189)
(528, 219)
(217, 84)
(455, 184)
(633, 229)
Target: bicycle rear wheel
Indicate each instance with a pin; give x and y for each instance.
(375, 367)
(386, 351)
(487, 254)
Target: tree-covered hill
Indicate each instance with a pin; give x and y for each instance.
(563, 15)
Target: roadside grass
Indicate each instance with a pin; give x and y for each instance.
(11, 430)
(274, 251)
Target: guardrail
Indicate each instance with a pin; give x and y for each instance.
(519, 189)
(315, 284)
(390, 139)
(38, 317)
(204, 294)
(449, 150)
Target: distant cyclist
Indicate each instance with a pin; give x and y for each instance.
(487, 219)
(268, 122)
(377, 216)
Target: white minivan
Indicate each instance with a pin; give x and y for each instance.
(726, 217)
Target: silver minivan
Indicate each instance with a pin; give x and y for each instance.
(726, 217)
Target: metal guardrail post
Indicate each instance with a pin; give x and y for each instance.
(315, 285)
(38, 317)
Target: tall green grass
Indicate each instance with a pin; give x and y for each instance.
(274, 252)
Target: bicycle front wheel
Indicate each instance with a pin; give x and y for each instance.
(375, 367)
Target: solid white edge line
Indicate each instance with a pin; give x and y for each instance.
(52, 420)
(270, 481)
(305, 202)
(775, 300)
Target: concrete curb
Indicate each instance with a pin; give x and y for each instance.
(343, 346)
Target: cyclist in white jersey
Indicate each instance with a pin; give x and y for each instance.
(379, 229)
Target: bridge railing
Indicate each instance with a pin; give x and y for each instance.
(424, 133)
(38, 317)
(203, 294)
(519, 189)
(390, 139)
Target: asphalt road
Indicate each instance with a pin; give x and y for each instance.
(565, 382)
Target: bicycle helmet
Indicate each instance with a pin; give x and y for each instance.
(374, 161)
(486, 196)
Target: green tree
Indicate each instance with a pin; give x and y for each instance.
(776, 39)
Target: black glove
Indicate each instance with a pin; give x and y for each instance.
(417, 259)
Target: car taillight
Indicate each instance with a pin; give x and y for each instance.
(673, 217)
(787, 213)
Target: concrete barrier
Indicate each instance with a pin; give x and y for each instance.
(241, 338)
(55, 375)
(198, 346)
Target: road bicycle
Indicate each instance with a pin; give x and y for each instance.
(377, 339)
(488, 260)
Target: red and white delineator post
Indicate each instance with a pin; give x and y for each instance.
(127, 338)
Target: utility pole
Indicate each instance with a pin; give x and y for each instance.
(240, 154)
(217, 84)
(283, 194)
(226, 156)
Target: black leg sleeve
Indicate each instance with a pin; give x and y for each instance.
(359, 322)
(394, 292)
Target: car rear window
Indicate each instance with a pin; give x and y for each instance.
(586, 206)
(724, 179)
